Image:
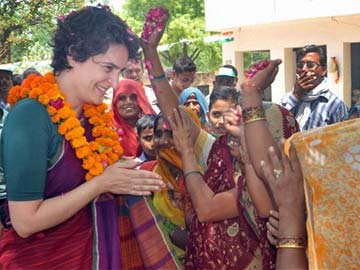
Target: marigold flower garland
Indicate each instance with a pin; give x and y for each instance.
(96, 155)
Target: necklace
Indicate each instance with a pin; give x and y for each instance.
(96, 155)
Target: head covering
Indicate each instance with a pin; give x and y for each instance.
(199, 96)
(126, 132)
(161, 200)
(227, 72)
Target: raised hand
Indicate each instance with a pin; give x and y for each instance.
(154, 26)
(284, 177)
(262, 78)
(181, 125)
(305, 81)
(233, 121)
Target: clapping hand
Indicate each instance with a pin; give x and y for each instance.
(122, 178)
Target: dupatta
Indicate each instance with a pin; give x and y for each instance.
(126, 132)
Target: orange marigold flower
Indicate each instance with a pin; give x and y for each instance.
(55, 119)
(96, 131)
(75, 143)
(51, 110)
(64, 112)
(93, 146)
(95, 120)
(75, 133)
(50, 77)
(97, 169)
(107, 118)
(90, 111)
(82, 152)
(36, 81)
(43, 99)
(72, 122)
(13, 95)
(104, 141)
(118, 149)
(62, 128)
(101, 108)
(89, 161)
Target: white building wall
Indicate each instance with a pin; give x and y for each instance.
(226, 14)
(280, 38)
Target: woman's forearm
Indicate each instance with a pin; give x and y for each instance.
(209, 206)
(292, 224)
(166, 97)
(29, 217)
(258, 192)
(257, 133)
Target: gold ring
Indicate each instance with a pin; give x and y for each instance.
(277, 173)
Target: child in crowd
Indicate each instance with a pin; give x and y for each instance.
(184, 71)
(145, 135)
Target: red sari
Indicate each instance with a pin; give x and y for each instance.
(240, 242)
(127, 133)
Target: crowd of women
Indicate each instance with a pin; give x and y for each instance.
(209, 197)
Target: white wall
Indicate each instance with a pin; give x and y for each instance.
(281, 38)
(225, 14)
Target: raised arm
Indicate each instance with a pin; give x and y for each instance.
(256, 188)
(166, 97)
(288, 192)
(209, 206)
(257, 134)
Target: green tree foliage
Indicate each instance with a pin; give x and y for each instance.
(25, 27)
(251, 58)
(186, 25)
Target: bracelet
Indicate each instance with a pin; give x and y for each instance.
(158, 78)
(191, 172)
(289, 245)
(255, 119)
(291, 242)
(253, 114)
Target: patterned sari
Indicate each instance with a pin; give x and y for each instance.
(330, 161)
(235, 243)
(154, 217)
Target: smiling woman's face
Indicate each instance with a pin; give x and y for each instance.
(128, 106)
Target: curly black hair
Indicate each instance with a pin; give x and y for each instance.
(88, 32)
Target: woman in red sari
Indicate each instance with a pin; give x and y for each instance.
(231, 203)
(129, 103)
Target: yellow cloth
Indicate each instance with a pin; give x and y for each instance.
(161, 199)
(330, 160)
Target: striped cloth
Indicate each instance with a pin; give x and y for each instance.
(325, 110)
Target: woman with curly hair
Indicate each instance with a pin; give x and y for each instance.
(57, 135)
